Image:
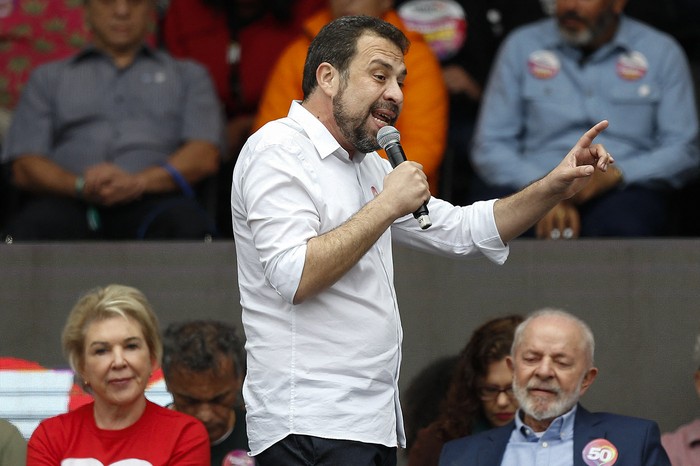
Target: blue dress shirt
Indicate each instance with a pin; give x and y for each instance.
(553, 447)
(544, 94)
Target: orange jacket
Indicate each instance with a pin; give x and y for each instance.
(423, 120)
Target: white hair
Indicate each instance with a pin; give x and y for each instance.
(587, 333)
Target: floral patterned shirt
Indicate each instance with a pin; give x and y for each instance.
(33, 32)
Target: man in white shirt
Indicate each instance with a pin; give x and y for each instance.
(315, 210)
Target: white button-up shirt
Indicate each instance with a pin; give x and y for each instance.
(327, 367)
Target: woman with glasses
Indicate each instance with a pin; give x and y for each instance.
(480, 395)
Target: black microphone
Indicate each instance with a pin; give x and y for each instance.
(388, 138)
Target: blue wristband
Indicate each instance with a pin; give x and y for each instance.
(179, 180)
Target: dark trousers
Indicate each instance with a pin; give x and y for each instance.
(305, 450)
(630, 212)
(171, 216)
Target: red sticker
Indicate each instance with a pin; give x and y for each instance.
(442, 23)
(238, 458)
(543, 64)
(599, 452)
(632, 66)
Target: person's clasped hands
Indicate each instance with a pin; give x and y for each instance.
(106, 184)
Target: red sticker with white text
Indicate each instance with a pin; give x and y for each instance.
(599, 452)
(632, 66)
(543, 64)
(238, 458)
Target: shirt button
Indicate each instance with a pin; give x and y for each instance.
(545, 444)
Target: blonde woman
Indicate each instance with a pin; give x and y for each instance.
(112, 343)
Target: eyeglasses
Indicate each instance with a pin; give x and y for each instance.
(491, 392)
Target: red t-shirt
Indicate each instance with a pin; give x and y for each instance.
(160, 437)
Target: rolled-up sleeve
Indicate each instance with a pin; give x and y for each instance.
(484, 232)
(280, 212)
(456, 231)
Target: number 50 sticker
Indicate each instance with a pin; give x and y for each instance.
(600, 452)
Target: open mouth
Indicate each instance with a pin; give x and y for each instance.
(383, 116)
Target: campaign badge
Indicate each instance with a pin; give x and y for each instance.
(543, 64)
(600, 452)
(632, 66)
(238, 458)
(442, 23)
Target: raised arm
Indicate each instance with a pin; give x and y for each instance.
(516, 213)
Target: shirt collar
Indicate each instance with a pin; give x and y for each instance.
(91, 50)
(319, 135)
(562, 427)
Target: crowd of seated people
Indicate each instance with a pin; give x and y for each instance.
(120, 135)
(116, 172)
(494, 407)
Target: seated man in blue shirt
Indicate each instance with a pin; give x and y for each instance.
(552, 363)
(552, 79)
(111, 142)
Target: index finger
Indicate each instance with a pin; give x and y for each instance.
(588, 137)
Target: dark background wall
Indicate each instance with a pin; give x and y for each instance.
(639, 296)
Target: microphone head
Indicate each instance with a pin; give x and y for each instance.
(387, 135)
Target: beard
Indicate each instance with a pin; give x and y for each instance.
(353, 127)
(591, 31)
(540, 408)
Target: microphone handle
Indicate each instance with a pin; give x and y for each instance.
(395, 153)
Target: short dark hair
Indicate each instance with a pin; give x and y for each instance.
(198, 345)
(336, 44)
